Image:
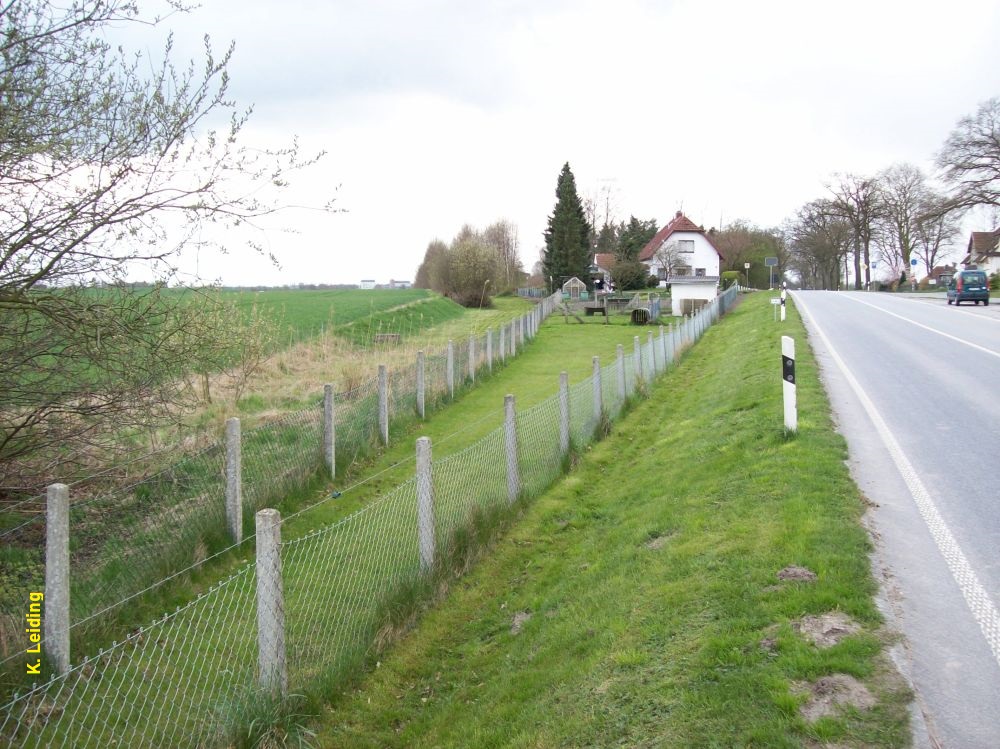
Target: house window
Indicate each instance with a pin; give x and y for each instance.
(685, 245)
(662, 274)
(699, 271)
(682, 270)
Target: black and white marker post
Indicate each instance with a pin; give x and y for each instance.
(784, 295)
(788, 381)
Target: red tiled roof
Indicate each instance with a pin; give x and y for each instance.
(983, 242)
(679, 222)
(604, 260)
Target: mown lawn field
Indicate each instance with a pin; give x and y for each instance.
(638, 603)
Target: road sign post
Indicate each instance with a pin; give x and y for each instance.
(771, 263)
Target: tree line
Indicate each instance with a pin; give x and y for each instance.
(885, 221)
(475, 266)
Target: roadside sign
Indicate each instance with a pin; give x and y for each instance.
(913, 261)
(775, 300)
(770, 261)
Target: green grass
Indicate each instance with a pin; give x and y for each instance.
(214, 627)
(357, 315)
(639, 646)
(531, 376)
(625, 644)
(308, 313)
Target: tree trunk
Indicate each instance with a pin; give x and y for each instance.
(857, 266)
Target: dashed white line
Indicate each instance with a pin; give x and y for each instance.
(976, 597)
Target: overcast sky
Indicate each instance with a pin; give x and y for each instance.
(436, 114)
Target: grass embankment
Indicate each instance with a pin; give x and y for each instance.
(147, 517)
(637, 603)
(532, 376)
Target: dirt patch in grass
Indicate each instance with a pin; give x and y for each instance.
(519, 620)
(826, 630)
(655, 543)
(797, 574)
(831, 695)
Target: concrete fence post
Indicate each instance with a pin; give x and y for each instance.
(637, 358)
(383, 403)
(421, 385)
(563, 413)
(513, 338)
(670, 344)
(489, 350)
(450, 370)
(272, 666)
(425, 505)
(620, 358)
(503, 344)
(329, 431)
(472, 359)
(651, 364)
(510, 444)
(598, 393)
(56, 622)
(234, 480)
(663, 349)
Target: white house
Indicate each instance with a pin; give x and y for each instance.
(684, 256)
(984, 251)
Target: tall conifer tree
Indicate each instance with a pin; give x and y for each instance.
(567, 249)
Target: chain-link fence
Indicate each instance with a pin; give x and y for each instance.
(228, 660)
(125, 540)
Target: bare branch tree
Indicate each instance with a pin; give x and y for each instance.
(970, 158)
(668, 260)
(109, 162)
(904, 192)
(819, 242)
(501, 235)
(858, 199)
(936, 228)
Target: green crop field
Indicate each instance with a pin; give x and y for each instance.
(353, 313)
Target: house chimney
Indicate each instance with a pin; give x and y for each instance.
(678, 214)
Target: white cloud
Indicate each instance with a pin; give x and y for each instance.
(439, 113)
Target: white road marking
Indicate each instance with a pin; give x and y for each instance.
(976, 597)
(976, 346)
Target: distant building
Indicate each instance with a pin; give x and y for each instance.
(400, 284)
(984, 251)
(941, 275)
(684, 256)
(367, 283)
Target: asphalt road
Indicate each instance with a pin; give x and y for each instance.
(915, 388)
